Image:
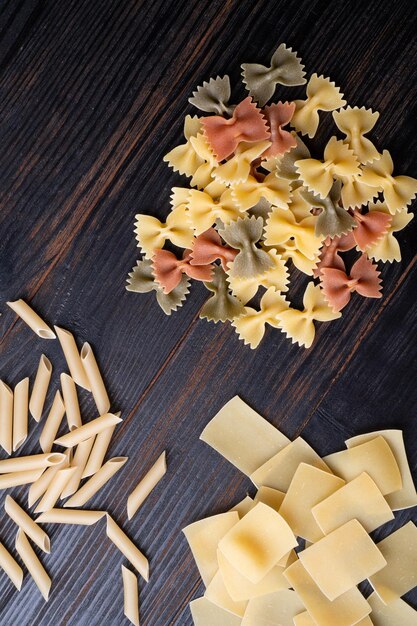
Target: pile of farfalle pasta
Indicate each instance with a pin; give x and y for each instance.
(295, 554)
(258, 202)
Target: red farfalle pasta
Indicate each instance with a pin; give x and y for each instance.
(208, 247)
(168, 270)
(246, 124)
(279, 115)
(371, 228)
(338, 286)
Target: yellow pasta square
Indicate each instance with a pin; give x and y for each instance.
(396, 613)
(217, 593)
(273, 609)
(205, 613)
(256, 543)
(342, 559)
(270, 497)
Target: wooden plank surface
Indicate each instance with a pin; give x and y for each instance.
(92, 95)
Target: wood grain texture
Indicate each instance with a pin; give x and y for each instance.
(92, 95)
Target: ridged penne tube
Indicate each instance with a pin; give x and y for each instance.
(32, 319)
(145, 486)
(72, 407)
(130, 595)
(11, 567)
(95, 379)
(96, 482)
(79, 461)
(27, 524)
(98, 452)
(52, 424)
(40, 388)
(70, 516)
(6, 417)
(88, 430)
(20, 413)
(32, 462)
(72, 356)
(15, 479)
(128, 548)
(55, 489)
(33, 564)
(41, 484)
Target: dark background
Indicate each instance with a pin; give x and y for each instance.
(92, 95)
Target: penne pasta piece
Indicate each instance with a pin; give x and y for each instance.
(145, 486)
(88, 430)
(27, 524)
(128, 548)
(32, 462)
(95, 379)
(130, 595)
(33, 564)
(52, 424)
(11, 567)
(72, 356)
(15, 479)
(39, 486)
(55, 489)
(80, 459)
(72, 407)
(100, 447)
(32, 319)
(40, 388)
(6, 417)
(20, 413)
(96, 482)
(70, 516)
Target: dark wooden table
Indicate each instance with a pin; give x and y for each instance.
(92, 95)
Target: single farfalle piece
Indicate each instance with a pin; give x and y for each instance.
(299, 325)
(246, 124)
(151, 234)
(183, 158)
(333, 219)
(251, 325)
(222, 305)
(355, 193)
(213, 96)
(387, 247)
(261, 209)
(202, 176)
(355, 123)
(399, 191)
(168, 270)
(371, 227)
(285, 68)
(277, 116)
(329, 254)
(282, 227)
(286, 167)
(208, 247)
(142, 280)
(276, 190)
(276, 276)
(338, 287)
(290, 252)
(339, 161)
(299, 206)
(237, 169)
(243, 235)
(322, 95)
(204, 210)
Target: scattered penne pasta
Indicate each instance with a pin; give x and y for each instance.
(72, 407)
(20, 413)
(32, 319)
(70, 516)
(96, 482)
(11, 567)
(40, 388)
(98, 452)
(95, 379)
(145, 486)
(128, 548)
(6, 417)
(72, 356)
(33, 564)
(55, 489)
(80, 459)
(32, 462)
(130, 593)
(52, 423)
(40, 485)
(27, 525)
(86, 431)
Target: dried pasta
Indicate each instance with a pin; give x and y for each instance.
(96, 482)
(20, 413)
(72, 407)
(72, 356)
(88, 430)
(27, 525)
(130, 592)
(95, 379)
(6, 417)
(52, 423)
(32, 319)
(145, 486)
(40, 388)
(33, 564)
(128, 548)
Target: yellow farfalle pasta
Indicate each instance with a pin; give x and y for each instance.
(281, 227)
(399, 191)
(356, 193)
(276, 276)
(203, 210)
(203, 173)
(251, 325)
(339, 160)
(388, 248)
(355, 123)
(237, 169)
(322, 95)
(299, 325)
(151, 234)
(289, 251)
(183, 158)
(275, 190)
